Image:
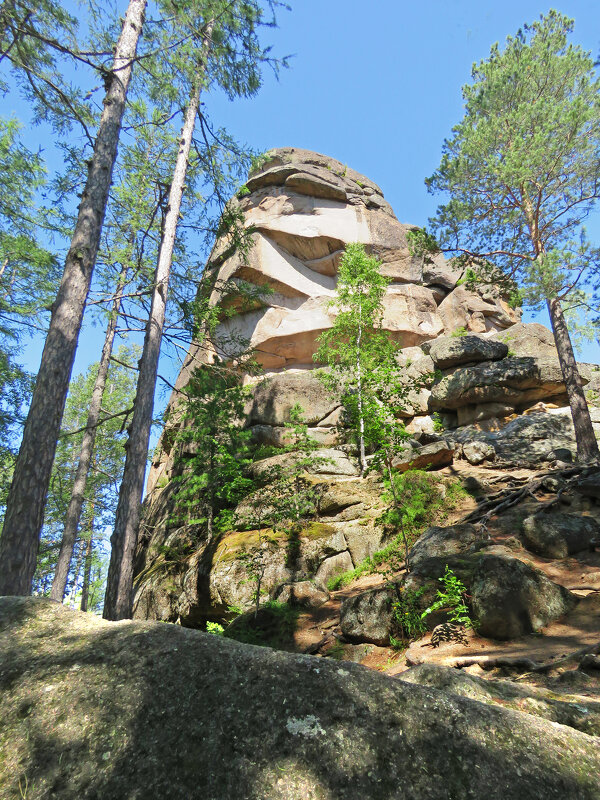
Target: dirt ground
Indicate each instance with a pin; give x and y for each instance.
(318, 630)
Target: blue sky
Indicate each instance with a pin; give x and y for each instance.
(377, 87)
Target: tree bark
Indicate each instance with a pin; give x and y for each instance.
(27, 495)
(85, 455)
(119, 588)
(87, 572)
(587, 446)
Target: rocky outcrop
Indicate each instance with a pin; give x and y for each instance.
(470, 368)
(129, 709)
(538, 702)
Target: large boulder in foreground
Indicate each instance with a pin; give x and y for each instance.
(92, 709)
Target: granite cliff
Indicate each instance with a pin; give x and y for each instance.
(496, 387)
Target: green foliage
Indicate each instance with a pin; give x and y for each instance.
(422, 499)
(361, 355)
(521, 167)
(213, 449)
(458, 332)
(273, 627)
(438, 425)
(407, 614)
(103, 482)
(452, 598)
(215, 628)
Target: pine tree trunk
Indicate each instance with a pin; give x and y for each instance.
(587, 446)
(77, 571)
(119, 588)
(27, 495)
(85, 456)
(87, 568)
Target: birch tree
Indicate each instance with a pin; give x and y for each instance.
(356, 348)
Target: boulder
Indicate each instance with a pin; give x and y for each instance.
(513, 381)
(532, 700)
(325, 461)
(142, 709)
(477, 452)
(589, 486)
(467, 415)
(525, 441)
(282, 437)
(367, 617)
(439, 272)
(453, 540)
(430, 456)
(273, 399)
(557, 535)
(302, 593)
(528, 339)
(451, 351)
(461, 306)
(332, 567)
(510, 599)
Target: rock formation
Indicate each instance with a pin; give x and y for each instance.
(491, 387)
(93, 709)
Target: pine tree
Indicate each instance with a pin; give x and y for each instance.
(27, 495)
(522, 172)
(222, 48)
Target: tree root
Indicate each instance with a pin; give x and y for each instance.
(506, 498)
(527, 664)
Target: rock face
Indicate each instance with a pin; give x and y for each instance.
(305, 208)
(478, 368)
(149, 710)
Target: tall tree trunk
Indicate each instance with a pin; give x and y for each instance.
(361, 418)
(87, 448)
(77, 570)
(587, 446)
(87, 571)
(119, 587)
(87, 567)
(27, 495)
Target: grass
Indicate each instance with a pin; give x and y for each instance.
(423, 506)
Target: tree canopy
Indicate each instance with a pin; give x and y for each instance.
(522, 173)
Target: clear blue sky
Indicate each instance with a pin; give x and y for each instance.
(377, 86)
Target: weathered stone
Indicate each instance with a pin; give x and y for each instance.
(367, 617)
(266, 724)
(476, 452)
(559, 535)
(589, 486)
(537, 701)
(441, 273)
(273, 399)
(467, 415)
(515, 381)
(451, 351)
(283, 437)
(332, 567)
(302, 593)
(459, 306)
(510, 598)
(528, 339)
(421, 425)
(453, 540)
(435, 455)
(527, 440)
